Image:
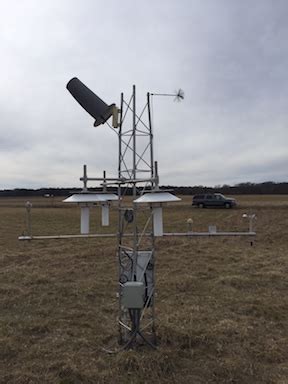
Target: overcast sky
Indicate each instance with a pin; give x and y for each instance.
(230, 57)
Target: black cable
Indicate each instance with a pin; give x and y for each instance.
(135, 318)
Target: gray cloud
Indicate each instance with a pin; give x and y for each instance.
(230, 58)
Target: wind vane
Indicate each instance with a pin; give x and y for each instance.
(178, 95)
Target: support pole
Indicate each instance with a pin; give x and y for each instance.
(134, 174)
(151, 137)
(84, 178)
(85, 218)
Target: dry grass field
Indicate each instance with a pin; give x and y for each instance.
(222, 304)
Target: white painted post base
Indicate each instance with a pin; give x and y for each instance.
(157, 221)
(85, 220)
(105, 215)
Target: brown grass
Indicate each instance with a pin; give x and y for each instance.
(222, 305)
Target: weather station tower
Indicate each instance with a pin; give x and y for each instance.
(140, 203)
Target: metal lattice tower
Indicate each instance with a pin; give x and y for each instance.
(137, 254)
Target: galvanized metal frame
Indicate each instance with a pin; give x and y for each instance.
(133, 166)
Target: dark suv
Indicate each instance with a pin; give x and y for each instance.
(213, 200)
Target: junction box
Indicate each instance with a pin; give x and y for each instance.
(133, 294)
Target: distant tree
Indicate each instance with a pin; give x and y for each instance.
(268, 187)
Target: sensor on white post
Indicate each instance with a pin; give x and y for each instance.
(155, 200)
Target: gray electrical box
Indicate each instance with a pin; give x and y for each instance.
(133, 294)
